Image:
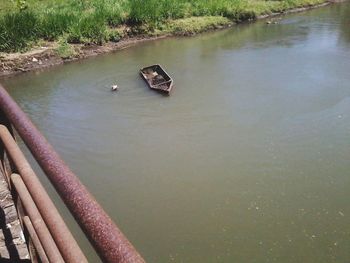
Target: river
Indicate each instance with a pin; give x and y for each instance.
(247, 160)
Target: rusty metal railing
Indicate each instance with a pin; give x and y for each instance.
(42, 212)
(108, 241)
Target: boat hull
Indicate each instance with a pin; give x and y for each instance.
(157, 79)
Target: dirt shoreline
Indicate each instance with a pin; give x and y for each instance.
(45, 57)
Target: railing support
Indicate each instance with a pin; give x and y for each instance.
(35, 239)
(58, 229)
(43, 233)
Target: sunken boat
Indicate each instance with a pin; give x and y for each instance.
(157, 79)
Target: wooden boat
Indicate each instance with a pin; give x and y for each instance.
(157, 78)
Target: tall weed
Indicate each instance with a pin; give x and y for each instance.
(18, 30)
(55, 23)
(91, 28)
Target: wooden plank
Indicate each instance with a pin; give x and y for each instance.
(13, 247)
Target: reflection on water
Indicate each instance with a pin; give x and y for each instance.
(344, 25)
(247, 161)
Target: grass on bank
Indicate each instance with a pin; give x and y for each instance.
(24, 22)
(65, 50)
(194, 25)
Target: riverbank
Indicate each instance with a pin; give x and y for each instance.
(50, 53)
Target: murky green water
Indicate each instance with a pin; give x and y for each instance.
(247, 161)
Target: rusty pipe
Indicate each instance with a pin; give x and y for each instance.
(44, 235)
(58, 229)
(109, 242)
(35, 239)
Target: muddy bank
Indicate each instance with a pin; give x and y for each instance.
(47, 55)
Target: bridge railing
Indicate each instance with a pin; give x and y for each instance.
(49, 234)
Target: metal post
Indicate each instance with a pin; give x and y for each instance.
(35, 239)
(58, 229)
(39, 224)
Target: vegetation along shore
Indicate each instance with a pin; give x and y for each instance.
(36, 34)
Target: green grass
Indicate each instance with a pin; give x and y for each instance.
(64, 50)
(24, 22)
(194, 25)
(18, 30)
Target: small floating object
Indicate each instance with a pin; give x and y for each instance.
(268, 22)
(157, 78)
(115, 88)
